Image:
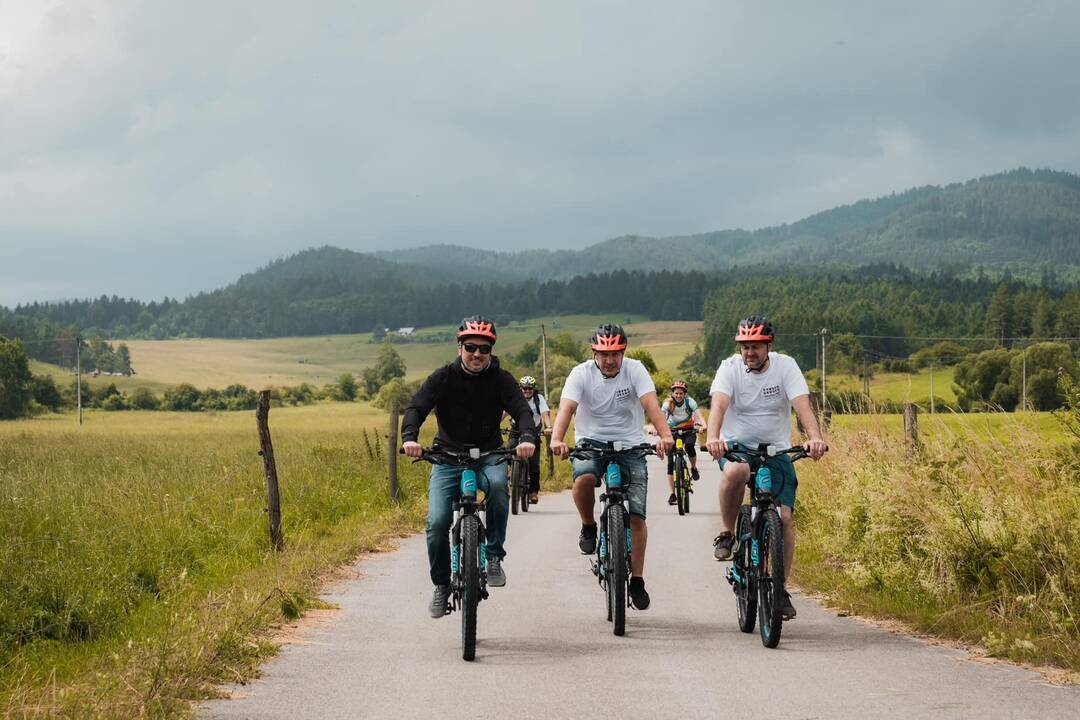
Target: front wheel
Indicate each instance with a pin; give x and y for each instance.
(770, 578)
(616, 579)
(743, 574)
(470, 581)
(680, 484)
(516, 489)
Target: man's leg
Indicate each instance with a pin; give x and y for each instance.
(534, 473)
(639, 536)
(787, 519)
(492, 480)
(732, 489)
(584, 493)
(443, 487)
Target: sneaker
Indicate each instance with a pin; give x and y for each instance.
(639, 597)
(787, 610)
(534, 498)
(440, 601)
(587, 539)
(671, 499)
(496, 576)
(695, 474)
(722, 544)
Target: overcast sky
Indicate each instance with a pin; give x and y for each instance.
(162, 148)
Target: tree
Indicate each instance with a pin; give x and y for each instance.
(46, 394)
(182, 397)
(144, 399)
(16, 383)
(344, 390)
(396, 389)
(645, 357)
(978, 376)
(999, 316)
(388, 365)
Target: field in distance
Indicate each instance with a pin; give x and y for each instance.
(211, 362)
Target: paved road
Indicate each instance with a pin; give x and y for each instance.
(545, 649)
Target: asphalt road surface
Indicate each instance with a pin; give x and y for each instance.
(545, 648)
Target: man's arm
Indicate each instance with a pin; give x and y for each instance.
(815, 445)
(716, 446)
(567, 408)
(656, 417)
(417, 411)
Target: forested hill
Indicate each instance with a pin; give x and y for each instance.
(1025, 221)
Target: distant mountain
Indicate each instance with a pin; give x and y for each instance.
(1024, 221)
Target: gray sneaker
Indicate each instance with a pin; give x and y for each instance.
(722, 546)
(440, 602)
(496, 577)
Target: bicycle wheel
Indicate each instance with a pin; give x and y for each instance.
(523, 481)
(744, 586)
(515, 486)
(680, 484)
(617, 566)
(770, 578)
(470, 580)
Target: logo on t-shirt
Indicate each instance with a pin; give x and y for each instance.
(625, 394)
(771, 392)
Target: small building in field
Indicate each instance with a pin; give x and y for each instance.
(406, 331)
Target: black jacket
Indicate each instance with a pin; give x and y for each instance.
(469, 407)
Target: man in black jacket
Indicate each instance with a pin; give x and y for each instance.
(469, 397)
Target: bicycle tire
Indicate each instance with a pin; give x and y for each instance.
(524, 482)
(746, 590)
(470, 581)
(617, 579)
(515, 486)
(680, 484)
(770, 578)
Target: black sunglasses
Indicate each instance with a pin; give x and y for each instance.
(473, 347)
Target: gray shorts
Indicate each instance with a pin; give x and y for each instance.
(635, 479)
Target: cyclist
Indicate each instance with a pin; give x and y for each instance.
(611, 395)
(542, 419)
(469, 397)
(752, 397)
(683, 416)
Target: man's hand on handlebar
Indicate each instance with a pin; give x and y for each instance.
(524, 450)
(716, 447)
(559, 448)
(412, 449)
(815, 448)
(664, 445)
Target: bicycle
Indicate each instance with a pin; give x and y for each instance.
(756, 574)
(468, 559)
(517, 475)
(684, 483)
(612, 564)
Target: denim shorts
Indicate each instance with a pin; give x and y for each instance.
(784, 482)
(635, 477)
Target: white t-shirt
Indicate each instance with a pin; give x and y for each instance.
(760, 409)
(543, 409)
(609, 408)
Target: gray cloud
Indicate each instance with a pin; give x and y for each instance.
(164, 148)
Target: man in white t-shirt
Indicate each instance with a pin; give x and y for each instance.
(611, 395)
(752, 397)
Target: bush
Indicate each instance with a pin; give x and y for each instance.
(397, 389)
(46, 394)
(116, 401)
(344, 390)
(184, 397)
(144, 399)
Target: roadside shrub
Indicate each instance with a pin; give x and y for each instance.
(144, 399)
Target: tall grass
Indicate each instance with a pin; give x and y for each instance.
(975, 536)
(135, 558)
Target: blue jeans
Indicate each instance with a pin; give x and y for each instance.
(445, 487)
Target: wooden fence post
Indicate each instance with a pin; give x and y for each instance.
(392, 452)
(911, 425)
(273, 498)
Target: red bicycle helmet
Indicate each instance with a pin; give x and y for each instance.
(476, 326)
(679, 385)
(755, 329)
(608, 338)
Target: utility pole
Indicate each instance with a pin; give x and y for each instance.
(78, 374)
(931, 387)
(539, 433)
(543, 351)
(823, 396)
(1023, 382)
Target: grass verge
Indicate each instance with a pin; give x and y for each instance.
(975, 536)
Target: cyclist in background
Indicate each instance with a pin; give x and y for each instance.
(611, 395)
(469, 397)
(683, 418)
(542, 420)
(752, 397)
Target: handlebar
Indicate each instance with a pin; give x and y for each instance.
(587, 452)
(460, 458)
(797, 452)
